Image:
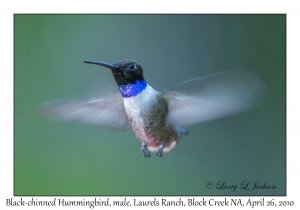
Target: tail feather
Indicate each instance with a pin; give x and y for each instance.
(181, 132)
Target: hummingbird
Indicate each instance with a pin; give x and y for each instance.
(157, 117)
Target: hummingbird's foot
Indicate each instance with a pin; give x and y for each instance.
(146, 151)
(160, 150)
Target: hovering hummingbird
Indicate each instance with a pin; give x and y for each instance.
(156, 117)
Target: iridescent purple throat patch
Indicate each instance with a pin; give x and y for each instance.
(132, 89)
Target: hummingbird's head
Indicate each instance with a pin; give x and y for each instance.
(128, 75)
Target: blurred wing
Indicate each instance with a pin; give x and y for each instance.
(107, 111)
(214, 96)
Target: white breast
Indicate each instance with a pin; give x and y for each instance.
(143, 100)
(136, 105)
(136, 108)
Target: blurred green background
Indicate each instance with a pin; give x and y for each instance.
(54, 158)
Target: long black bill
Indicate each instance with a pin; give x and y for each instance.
(107, 65)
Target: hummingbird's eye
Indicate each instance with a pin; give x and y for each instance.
(131, 66)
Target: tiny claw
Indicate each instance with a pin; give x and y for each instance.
(160, 150)
(145, 151)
